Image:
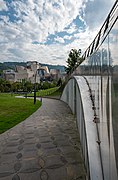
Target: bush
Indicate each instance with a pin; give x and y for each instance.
(47, 85)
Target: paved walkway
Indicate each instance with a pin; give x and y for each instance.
(44, 147)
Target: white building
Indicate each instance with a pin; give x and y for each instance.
(55, 73)
(29, 73)
(33, 72)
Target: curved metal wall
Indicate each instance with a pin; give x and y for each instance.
(99, 72)
(82, 94)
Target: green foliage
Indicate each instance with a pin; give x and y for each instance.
(59, 82)
(14, 110)
(73, 60)
(57, 92)
(27, 86)
(24, 86)
(7, 86)
(47, 85)
(45, 92)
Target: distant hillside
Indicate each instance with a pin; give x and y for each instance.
(62, 68)
(11, 65)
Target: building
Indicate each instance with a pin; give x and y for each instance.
(33, 72)
(9, 75)
(29, 73)
(55, 73)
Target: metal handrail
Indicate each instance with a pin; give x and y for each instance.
(102, 34)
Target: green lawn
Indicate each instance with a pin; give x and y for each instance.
(14, 110)
(58, 92)
(46, 92)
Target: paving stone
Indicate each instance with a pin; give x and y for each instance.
(6, 169)
(30, 142)
(49, 152)
(46, 141)
(63, 159)
(56, 134)
(21, 141)
(43, 139)
(12, 144)
(31, 153)
(43, 147)
(17, 166)
(44, 175)
(40, 152)
(59, 150)
(19, 155)
(30, 176)
(48, 145)
(8, 158)
(29, 138)
(38, 145)
(20, 147)
(10, 150)
(75, 171)
(57, 174)
(67, 149)
(73, 157)
(4, 177)
(30, 165)
(53, 162)
(61, 138)
(41, 162)
(16, 177)
(63, 143)
(29, 147)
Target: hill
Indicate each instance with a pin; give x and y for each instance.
(60, 67)
(11, 65)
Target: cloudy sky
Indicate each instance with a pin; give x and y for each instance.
(46, 30)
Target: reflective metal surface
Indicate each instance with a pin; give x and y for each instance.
(92, 95)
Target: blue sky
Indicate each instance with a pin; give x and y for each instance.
(46, 30)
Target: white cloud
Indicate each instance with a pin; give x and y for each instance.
(95, 12)
(72, 29)
(59, 39)
(44, 18)
(54, 53)
(3, 5)
(36, 20)
(4, 18)
(67, 37)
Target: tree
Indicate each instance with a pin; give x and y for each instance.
(5, 86)
(15, 86)
(59, 83)
(73, 60)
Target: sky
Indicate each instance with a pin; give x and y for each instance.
(46, 30)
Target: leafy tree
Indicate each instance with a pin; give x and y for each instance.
(28, 86)
(16, 86)
(73, 60)
(5, 86)
(59, 83)
(47, 85)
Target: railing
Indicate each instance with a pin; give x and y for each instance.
(103, 32)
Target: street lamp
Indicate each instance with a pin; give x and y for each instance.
(35, 87)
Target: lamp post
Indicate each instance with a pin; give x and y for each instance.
(35, 87)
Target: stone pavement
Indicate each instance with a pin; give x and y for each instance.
(44, 147)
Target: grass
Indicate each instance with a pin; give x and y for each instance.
(14, 110)
(58, 92)
(46, 92)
